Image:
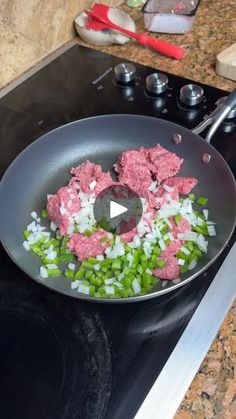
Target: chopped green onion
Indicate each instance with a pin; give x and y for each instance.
(26, 234)
(202, 201)
(69, 273)
(44, 213)
(191, 196)
(66, 257)
(80, 273)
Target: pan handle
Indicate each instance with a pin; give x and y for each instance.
(217, 116)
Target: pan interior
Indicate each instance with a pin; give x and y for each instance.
(44, 166)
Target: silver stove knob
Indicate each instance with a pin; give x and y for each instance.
(156, 83)
(191, 94)
(232, 113)
(124, 72)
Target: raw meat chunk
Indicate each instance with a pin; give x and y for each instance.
(164, 164)
(86, 173)
(182, 185)
(62, 206)
(133, 171)
(170, 270)
(85, 247)
(183, 226)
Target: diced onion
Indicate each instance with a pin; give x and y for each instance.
(162, 244)
(92, 185)
(192, 264)
(136, 286)
(211, 230)
(84, 289)
(118, 284)
(168, 188)
(202, 243)
(52, 255)
(205, 213)
(43, 272)
(53, 226)
(109, 281)
(75, 284)
(109, 290)
(185, 250)
(152, 186)
(187, 235)
(52, 266)
(120, 276)
(26, 245)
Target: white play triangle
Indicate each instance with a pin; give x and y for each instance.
(116, 209)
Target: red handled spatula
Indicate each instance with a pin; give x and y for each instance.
(99, 20)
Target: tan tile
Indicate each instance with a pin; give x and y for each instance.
(75, 6)
(2, 8)
(66, 31)
(17, 54)
(112, 3)
(39, 20)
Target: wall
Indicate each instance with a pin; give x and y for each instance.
(31, 29)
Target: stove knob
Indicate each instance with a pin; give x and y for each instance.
(124, 72)
(156, 83)
(191, 94)
(232, 113)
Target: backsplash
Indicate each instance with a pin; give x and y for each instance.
(30, 30)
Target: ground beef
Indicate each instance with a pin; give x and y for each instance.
(182, 185)
(170, 270)
(85, 247)
(149, 216)
(133, 171)
(162, 163)
(131, 156)
(62, 206)
(162, 196)
(86, 172)
(172, 249)
(183, 226)
(128, 237)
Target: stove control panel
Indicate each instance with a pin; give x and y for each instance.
(159, 94)
(124, 73)
(156, 83)
(191, 95)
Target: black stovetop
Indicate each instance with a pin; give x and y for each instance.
(63, 358)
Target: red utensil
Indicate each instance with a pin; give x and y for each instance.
(99, 12)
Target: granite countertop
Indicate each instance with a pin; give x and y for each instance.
(212, 393)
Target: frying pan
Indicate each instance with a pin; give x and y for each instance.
(44, 166)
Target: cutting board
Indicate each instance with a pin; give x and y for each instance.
(226, 63)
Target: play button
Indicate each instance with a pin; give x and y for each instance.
(118, 209)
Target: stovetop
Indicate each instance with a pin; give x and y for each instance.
(64, 358)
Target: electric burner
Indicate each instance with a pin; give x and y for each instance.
(64, 358)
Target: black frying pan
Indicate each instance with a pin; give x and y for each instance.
(44, 166)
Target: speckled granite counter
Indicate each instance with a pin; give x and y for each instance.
(213, 391)
(212, 394)
(214, 30)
